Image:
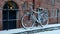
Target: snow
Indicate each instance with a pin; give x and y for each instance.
(34, 28)
(49, 32)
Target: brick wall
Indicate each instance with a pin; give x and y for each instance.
(38, 3)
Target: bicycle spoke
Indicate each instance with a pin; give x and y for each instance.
(26, 22)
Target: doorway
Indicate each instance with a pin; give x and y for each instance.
(9, 16)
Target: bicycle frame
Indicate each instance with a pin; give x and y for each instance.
(32, 18)
(39, 15)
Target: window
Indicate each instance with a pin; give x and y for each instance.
(9, 15)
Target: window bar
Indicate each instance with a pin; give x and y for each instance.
(53, 2)
(33, 4)
(8, 21)
(12, 9)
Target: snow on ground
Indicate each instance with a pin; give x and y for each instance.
(49, 32)
(34, 28)
(46, 32)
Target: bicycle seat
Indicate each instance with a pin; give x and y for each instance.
(39, 10)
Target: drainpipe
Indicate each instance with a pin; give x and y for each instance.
(57, 14)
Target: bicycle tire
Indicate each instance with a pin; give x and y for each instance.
(45, 19)
(26, 25)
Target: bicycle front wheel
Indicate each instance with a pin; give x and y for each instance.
(44, 20)
(27, 21)
(44, 23)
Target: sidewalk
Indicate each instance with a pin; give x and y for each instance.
(36, 30)
(49, 32)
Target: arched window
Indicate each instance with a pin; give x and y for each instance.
(9, 15)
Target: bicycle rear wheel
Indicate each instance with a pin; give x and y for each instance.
(27, 21)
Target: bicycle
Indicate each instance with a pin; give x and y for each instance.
(29, 19)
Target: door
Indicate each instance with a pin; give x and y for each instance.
(9, 16)
(9, 19)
